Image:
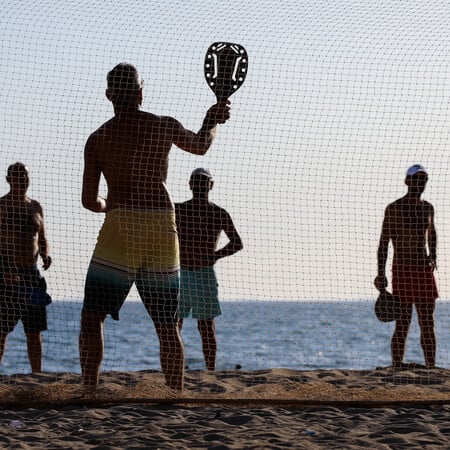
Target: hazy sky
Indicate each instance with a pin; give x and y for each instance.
(340, 98)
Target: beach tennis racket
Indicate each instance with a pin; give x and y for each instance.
(388, 307)
(225, 68)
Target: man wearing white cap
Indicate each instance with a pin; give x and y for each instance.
(200, 223)
(409, 224)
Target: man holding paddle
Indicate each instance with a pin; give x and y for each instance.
(409, 224)
(138, 241)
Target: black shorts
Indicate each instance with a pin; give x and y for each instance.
(25, 300)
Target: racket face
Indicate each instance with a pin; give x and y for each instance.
(225, 68)
(387, 307)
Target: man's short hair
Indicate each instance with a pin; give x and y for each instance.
(124, 82)
(16, 168)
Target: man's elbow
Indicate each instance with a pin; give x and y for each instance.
(202, 145)
(88, 203)
(200, 150)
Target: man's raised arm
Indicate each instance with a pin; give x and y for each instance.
(200, 142)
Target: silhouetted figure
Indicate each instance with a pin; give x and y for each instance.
(200, 223)
(23, 291)
(409, 225)
(138, 241)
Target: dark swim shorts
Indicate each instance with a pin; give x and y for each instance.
(24, 300)
(414, 284)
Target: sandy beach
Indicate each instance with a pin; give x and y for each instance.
(268, 409)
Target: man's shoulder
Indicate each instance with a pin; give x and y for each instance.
(218, 212)
(34, 206)
(155, 119)
(3, 201)
(102, 128)
(185, 203)
(397, 203)
(98, 135)
(403, 202)
(34, 203)
(183, 206)
(141, 119)
(214, 206)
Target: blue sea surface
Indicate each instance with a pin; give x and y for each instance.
(252, 335)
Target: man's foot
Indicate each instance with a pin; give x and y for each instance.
(88, 390)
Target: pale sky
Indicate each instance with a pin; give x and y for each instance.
(340, 98)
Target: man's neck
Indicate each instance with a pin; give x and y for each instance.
(200, 200)
(18, 197)
(124, 111)
(414, 197)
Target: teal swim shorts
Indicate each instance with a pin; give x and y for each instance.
(199, 294)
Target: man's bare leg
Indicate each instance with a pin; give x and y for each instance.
(34, 347)
(398, 342)
(171, 354)
(425, 313)
(3, 337)
(207, 331)
(91, 347)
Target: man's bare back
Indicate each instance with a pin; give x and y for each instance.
(132, 152)
(408, 221)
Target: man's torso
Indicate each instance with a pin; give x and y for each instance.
(133, 155)
(199, 228)
(19, 232)
(409, 223)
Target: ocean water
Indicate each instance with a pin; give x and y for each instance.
(252, 335)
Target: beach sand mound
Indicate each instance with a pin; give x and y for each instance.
(272, 386)
(270, 409)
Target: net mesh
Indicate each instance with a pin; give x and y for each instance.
(339, 100)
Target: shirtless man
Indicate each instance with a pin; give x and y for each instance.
(409, 224)
(200, 223)
(138, 241)
(22, 289)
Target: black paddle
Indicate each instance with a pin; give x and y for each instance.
(225, 68)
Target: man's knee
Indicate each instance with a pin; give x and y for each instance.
(91, 321)
(168, 333)
(206, 326)
(33, 336)
(166, 328)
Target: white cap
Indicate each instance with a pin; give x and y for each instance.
(201, 171)
(415, 169)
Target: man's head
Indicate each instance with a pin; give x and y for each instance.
(124, 86)
(18, 177)
(416, 179)
(201, 181)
